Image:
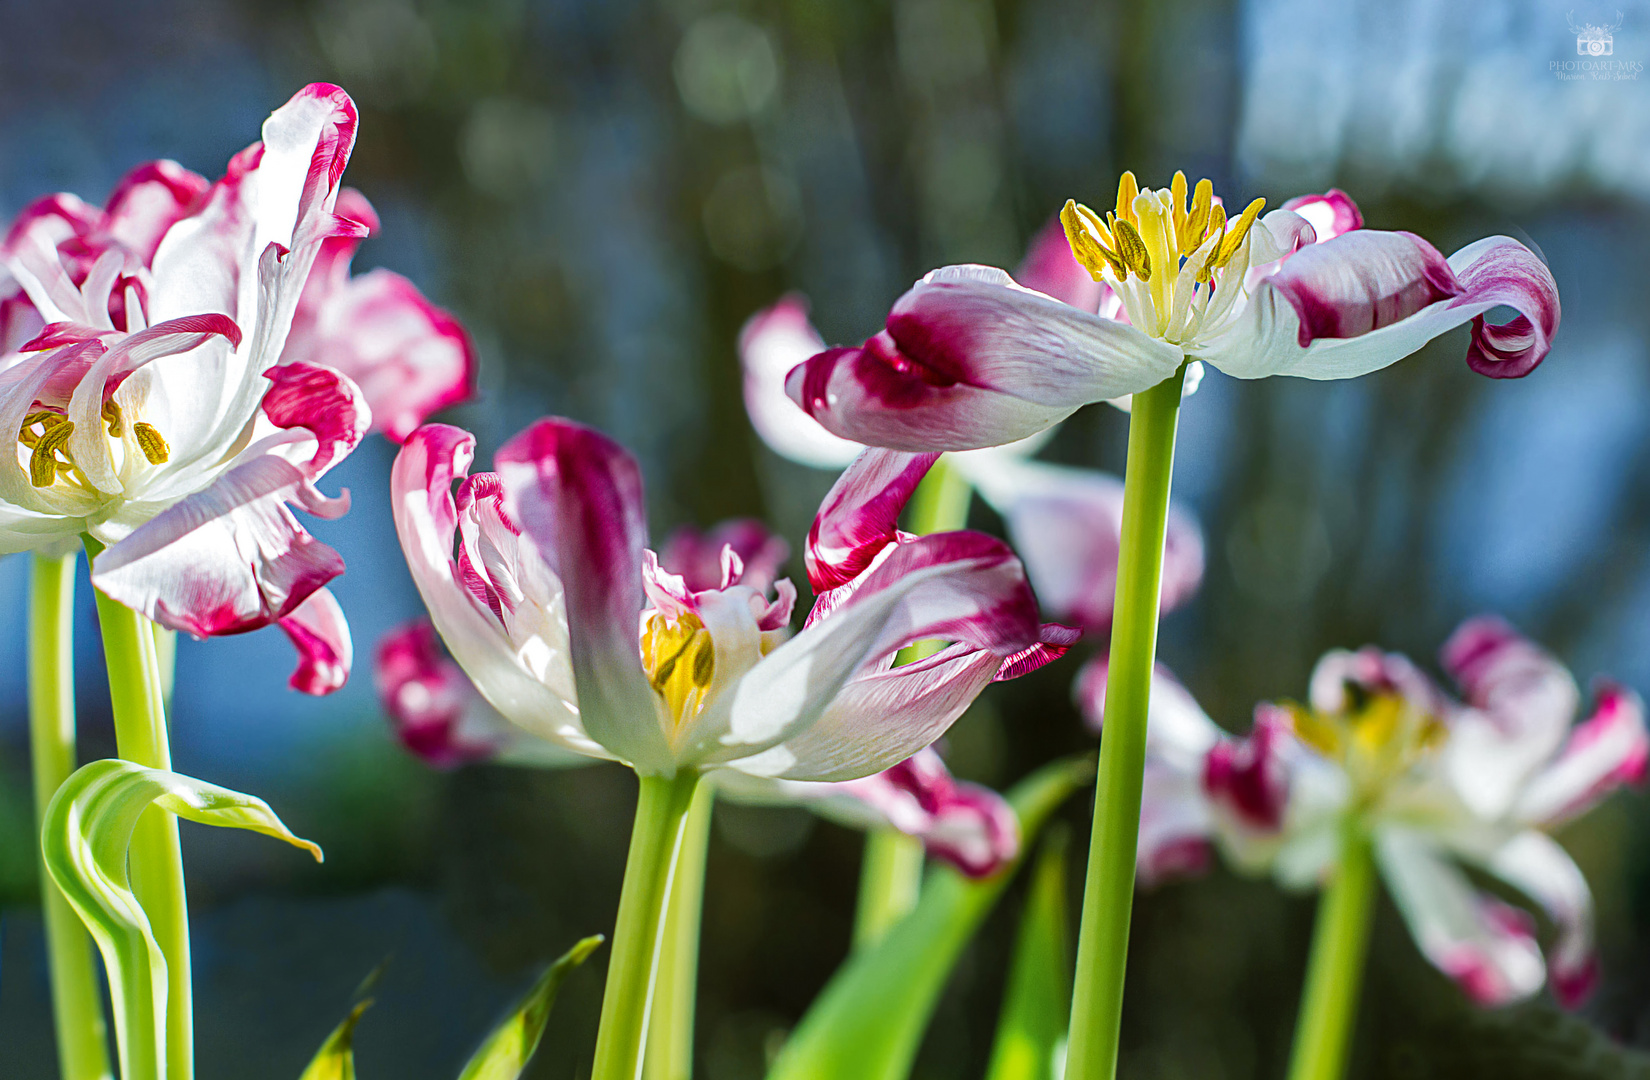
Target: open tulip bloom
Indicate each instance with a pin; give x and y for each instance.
(969, 358)
(1381, 760)
(538, 579)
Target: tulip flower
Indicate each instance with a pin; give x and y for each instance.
(1380, 763)
(971, 357)
(538, 580)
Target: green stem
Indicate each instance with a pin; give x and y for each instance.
(890, 876)
(136, 696)
(77, 1000)
(890, 882)
(655, 843)
(1108, 893)
(670, 1035)
(1329, 1004)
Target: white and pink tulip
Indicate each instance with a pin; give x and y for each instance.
(1438, 784)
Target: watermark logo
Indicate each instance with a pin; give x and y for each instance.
(1596, 44)
(1592, 39)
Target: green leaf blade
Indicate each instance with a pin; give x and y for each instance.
(869, 1020)
(1031, 1031)
(336, 1058)
(509, 1048)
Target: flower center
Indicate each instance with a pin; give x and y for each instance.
(1376, 741)
(680, 660)
(45, 434)
(1165, 259)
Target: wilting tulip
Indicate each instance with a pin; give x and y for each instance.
(542, 602)
(1434, 783)
(970, 357)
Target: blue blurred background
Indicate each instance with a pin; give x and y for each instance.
(603, 190)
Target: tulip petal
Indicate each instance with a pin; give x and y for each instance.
(1175, 825)
(578, 496)
(859, 516)
(1611, 747)
(771, 343)
(1534, 863)
(149, 200)
(969, 359)
(1367, 299)
(701, 558)
(1486, 946)
(321, 635)
(1049, 267)
(1329, 214)
(531, 686)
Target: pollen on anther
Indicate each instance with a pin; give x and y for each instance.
(150, 442)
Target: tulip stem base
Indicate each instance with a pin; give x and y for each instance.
(890, 882)
(137, 698)
(656, 842)
(77, 999)
(670, 1035)
(1108, 893)
(1334, 973)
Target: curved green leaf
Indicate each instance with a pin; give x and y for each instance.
(870, 1018)
(511, 1045)
(336, 1058)
(83, 840)
(1031, 1032)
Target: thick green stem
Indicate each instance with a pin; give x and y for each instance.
(890, 876)
(156, 861)
(655, 844)
(1329, 1004)
(670, 1035)
(77, 1000)
(1108, 894)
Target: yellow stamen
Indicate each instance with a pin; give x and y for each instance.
(1177, 208)
(1131, 249)
(111, 416)
(1197, 221)
(1127, 189)
(149, 441)
(1316, 731)
(1239, 229)
(1088, 237)
(43, 462)
(680, 659)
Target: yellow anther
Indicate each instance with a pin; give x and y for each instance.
(1088, 238)
(111, 416)
(1177, 208)
(1317, 731)
(1127, 189)
(43, 462)
(1131, 250)
(680, 659)
(1192, 233)
(149, 441)
(1239, 229)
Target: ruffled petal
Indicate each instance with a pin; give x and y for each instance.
(859, 516)
(531, 686)
(741, 551)
(1329, 214)
(1610, 748)
(771, 343)
(149, 200)
(829, 698)
(578, 496)
(1486, 946)
(969, 359)
(1367, 299)
(1066, 524)
(1522, 704)
(1534, 864)
(320, 633)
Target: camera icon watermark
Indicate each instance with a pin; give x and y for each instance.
(1593, 39)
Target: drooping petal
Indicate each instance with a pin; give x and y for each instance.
(578, 495)
(1054, 640)
(322, 401)
(1066, 524)
(1330, 214)
(1522, 704)
(1533, 863)
(437, 713)
(859, 516)
(1486, 946)
(771, 343)
(1611, 747)
(228, 559)
(1368, 299)
(969, 359)
(826, 703)
(320, 633)
(531, 685)
(1048, 267)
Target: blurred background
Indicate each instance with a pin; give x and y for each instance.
(603, 190)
